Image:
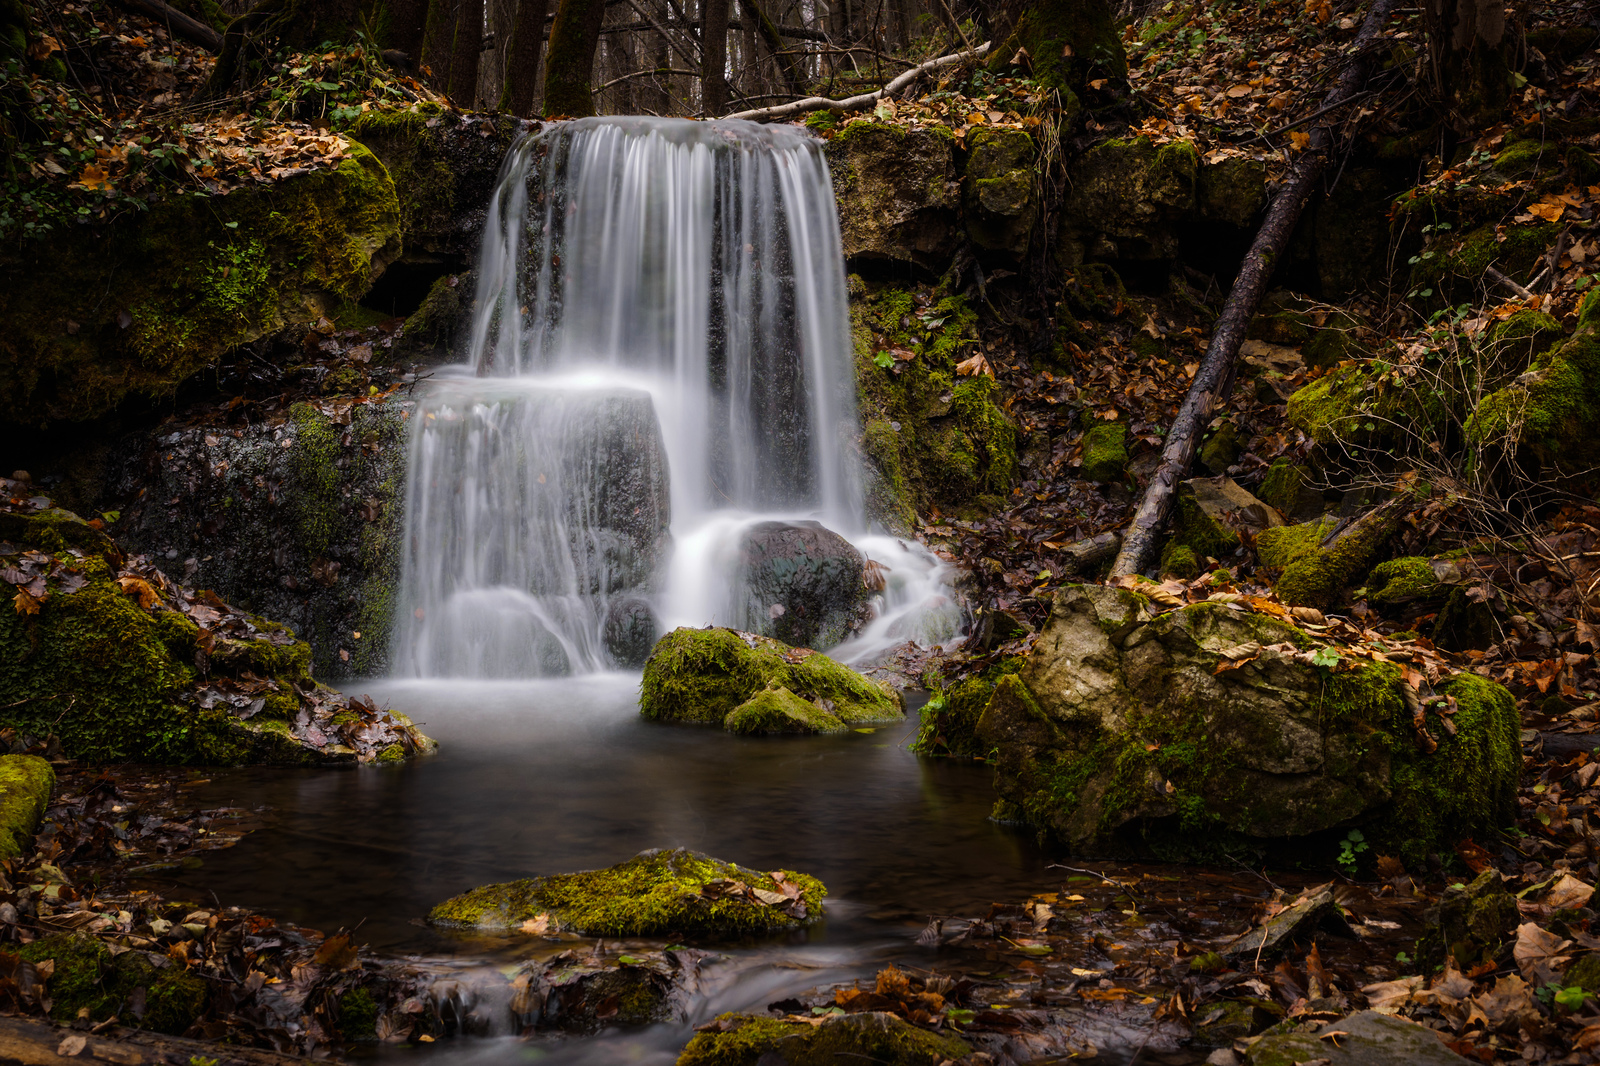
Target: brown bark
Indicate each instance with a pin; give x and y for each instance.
(407, 19)
(437, 39)
(1214, 380)
(466, 46)
(522, 70)
(569, 61)
(714, 58)
(770, 37)
(1467, 45)
(177, 23)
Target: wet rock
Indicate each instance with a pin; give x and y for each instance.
(777, 710)
(585, 993)
(300, 520)
(656, 893)
(1208, 730)
(631, 630)
(899, 192)
(1364, 1039)
(1220, 1024)
(801, 582)
(998, 190)
(1314, 910)
(702, 675)
(748, 1039)
(1470, 921)
(1105, 451)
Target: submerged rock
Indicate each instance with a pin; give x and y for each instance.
(777, 710)
(802, 583)
(703, 675)
(1208, 730)
(1363, 1039)
(25, 784)
(120, 662)
(655, 893)
(880, 1038)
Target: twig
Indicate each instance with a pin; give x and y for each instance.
(1318, 113)
(654, 71)
(1096, 873)
(1505, 282)
(865, 100)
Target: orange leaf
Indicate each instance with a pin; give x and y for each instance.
(1548, 212)
(24, 603)
(141, 590)
(1301, 141)
(973, 366)
(94, 179)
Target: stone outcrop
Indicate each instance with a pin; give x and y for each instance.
(877, 1037)
(1211, 730)
(898, 192)
(1127, 199)
(998, 191)
(801, 583)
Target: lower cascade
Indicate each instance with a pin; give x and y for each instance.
(656, 423)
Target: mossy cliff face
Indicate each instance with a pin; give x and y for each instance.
(655, 893)
(1127, 198)
(136, 306)
(881, 1038)
(898, 193)
(25, 784)
(1552, 409)
(703, 675)
(998, 194)
(298, 519)
(934, 438)
(121, 663)
(1120, 735)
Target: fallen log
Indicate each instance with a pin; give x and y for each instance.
(864, 100)
(1214, 379)
(177, 23)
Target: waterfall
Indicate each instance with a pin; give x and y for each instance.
(660, 363)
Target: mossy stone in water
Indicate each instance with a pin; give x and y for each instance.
(702, 675)
(655, 893)
(777, 710)
(883, 1039)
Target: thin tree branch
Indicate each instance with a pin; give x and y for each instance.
(661, 71)
(865, 100)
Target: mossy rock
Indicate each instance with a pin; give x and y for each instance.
(25, 785)
(1279, 547)
(674, 892)
(1470, 922)
(948, 723)
(1221, 449)
(998, 193)
(1464, 625)
(900, 185)
(1126, 200)
(190, 279)
(777, 710)
(1105, 451)
(704, 675)
(87, 978)
(1179, 561)
(1120, 735)
(1069, 43)
(880, 1038)
(1552, 409)
(1281, 487)
(1232, 191)
(1458, 267)
(1318, 578)
(1401, 581)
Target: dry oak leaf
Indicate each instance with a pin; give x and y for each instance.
(1538, 953)
(141, 590)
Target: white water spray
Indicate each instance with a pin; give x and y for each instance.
(654, 296)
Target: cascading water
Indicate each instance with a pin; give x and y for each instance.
(660, 343)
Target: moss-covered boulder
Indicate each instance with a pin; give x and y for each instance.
(777, 710)
(898, 190)
(1553, 408)
(1284, 545)
(881, 1038)
(674, 892)
(998, 195)
(1395, 582)
(1232, 191)
(1126, 199)
(1068, 44)
(948, 724)
(120, 662)
(801, 583)
(87, 978)
(25, 785)
(1209, 730)
(137, 305)
(298, 518)
(1318, 574)
(703, 675)
(1105, 451)
(933, 437)
(1211, 513)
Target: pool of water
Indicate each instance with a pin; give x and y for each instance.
(559, 775)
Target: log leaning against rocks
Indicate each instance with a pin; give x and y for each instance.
(1214, 380)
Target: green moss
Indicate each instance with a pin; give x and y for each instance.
(1516, 340)
(358, 1015)
(25, 785)
(1402, 580)
(1512, 249)
(1319, 578)
(1524, 158)
(949, 721)
(1551, 409)
(87, 978)
(313, 462)
(1280, 489)
(883, 1039)
(1584, 974)
(656, 893)
(1068, 43)
(1282, 545)
(1335, 408)
(1221, 449)
(1198, 531)
(777, 710)
(702, 675)
(1179, 561)
(1105, 451)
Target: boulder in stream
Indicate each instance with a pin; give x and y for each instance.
(877, 1037)
(777, 710)
(802, 583)
(1366, 1038)
(659, 892)
(1209, 730)
(703, 675)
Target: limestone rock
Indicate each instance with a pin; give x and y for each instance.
(881, 1038)
(900, 192)
(1204, 730)
(1470, 921)
(655, 893)
(777, 710)
(702, 675)
(998, 190)
(1369, 1039)
(1126, 200)
(631, 630)
(801, 583)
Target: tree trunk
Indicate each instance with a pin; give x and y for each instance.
(466, 48)
(1467, 45)
(407, 18)
(770, 36)
(522, 69)
(714, 58)
(437, 42)
(569, 61)
(1213, 381)
(299, 25)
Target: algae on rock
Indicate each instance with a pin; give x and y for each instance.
(25, 785)
(704, 675)
(877, 1037)
(674, 892)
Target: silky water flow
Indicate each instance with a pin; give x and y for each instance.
(660, 359)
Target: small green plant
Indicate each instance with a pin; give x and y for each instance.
(1350, 847)
(1571, 998)
(884, 360)
(1325, 658)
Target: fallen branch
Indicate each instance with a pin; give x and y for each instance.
(177, 23)
(1505, 282)
(1214, 380)
(865, 100)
